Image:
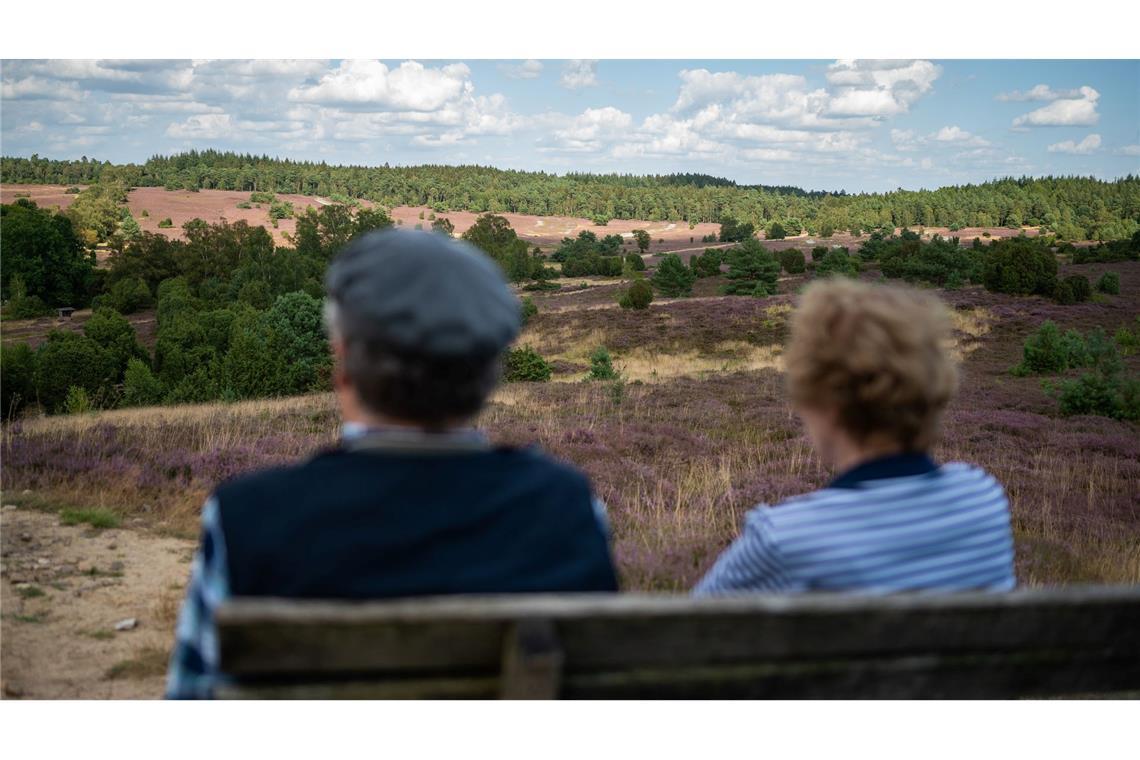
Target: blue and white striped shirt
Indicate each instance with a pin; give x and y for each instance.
(895, 524)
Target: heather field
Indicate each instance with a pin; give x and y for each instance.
(697, 432)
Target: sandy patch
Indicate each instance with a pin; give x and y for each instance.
(63, 590)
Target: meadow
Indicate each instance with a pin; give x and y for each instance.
(696, 432)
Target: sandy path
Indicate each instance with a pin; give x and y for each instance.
(63, 590)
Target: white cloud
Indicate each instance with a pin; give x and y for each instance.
(1038, 92)
(529, 69)
(955, 134)
(1130, 150)
(879, 88)
(578, 74)
(38, 88)
(1069, 112)
(209, 126)
(1084, 147)
(410, 86)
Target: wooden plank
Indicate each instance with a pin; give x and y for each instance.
(532, 661)
(604, 632)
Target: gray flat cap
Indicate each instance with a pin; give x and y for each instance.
(423, 292)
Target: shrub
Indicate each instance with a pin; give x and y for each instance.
(528, 309)
(752, 271)
(837, 262)
(129, 295)
(1109, 283)
(707, 264)
(113, 332)
(602, 365)
(792, 260)
(68, 359)
(776, 231)
(76, 401)
(673, 278)
(525, 365)
(165, 224)
(260, 197)
(140, 386)
(732, 231)
(17, 378)
(638, 296)
(1019, 266)
(635, 262)
(26, 307)
(1080, 288)
(1045, 350)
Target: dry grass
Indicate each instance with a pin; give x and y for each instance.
(148, 662)
(652, 366)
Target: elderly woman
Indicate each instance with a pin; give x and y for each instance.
(869, 375)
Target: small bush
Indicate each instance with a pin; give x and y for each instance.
(140, 386)
(673, 278)
(1079, 287)
(76, 401)
(528, 309)
(165, 224)
(1109, 283)
(525, 365)
(837, 262)
(601, 365)
(258, 197)
(792, 260)
(638, 296)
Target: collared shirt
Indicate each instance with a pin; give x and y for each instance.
(194, 671)
(898, 523)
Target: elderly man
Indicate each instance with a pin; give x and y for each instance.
(413, 501)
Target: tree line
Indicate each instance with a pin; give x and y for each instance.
(1071, 207)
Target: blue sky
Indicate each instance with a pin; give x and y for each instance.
(851, 125)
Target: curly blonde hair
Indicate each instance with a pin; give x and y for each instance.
(877, 354)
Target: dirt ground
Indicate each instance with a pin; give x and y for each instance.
(64, 589)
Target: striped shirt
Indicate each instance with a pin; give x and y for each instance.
(899, 523)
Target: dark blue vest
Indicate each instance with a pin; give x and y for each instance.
(374, 524)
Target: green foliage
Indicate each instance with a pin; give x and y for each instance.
(529, 310)
(1077, 207)
(586, 255)
(280, 210)
(602, 365)
(165, 224)
(1109, 283)
(44, 255)
(776, 231)
(1046, 350)
(113, 332)
(279, 352)
(707, 264)
(1074, 288)
(525, 365)
(1020, 266)
(260, 197)
(637, 296)
(673, 278)
(444, 225)
(128, 296)
(320, 234)
(643, 240)
(76, 401)
(732, 231)
(1129, 340)
(1110, 252)
(22, 306)
(634, 263)
(837, 262)
(17, 378)
(96, 213)
(96, 517)
(939, 261)
(68, 359)
(792, 261)
(752, 270)
(140, 386)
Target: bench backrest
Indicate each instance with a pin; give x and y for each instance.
(1025, 643)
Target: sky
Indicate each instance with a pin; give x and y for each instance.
(854, 125)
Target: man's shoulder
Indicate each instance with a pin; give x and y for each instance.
(324, 464)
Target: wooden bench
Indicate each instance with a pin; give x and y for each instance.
(1026, 643)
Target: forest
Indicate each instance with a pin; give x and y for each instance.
(1073, 208)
